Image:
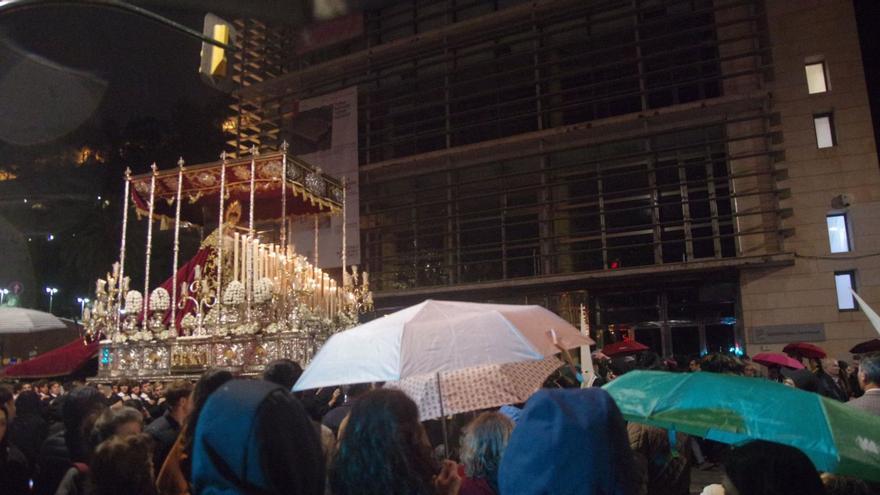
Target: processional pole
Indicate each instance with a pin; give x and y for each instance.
(344, 229)
(146, 303)
(119, 295)
(180, 163)
(250, 266)
(220, 239)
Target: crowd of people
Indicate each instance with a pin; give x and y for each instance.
(231, 435)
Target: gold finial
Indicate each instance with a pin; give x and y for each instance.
(223, 155)
(127, 173)
(254, 150)
(155, 168)
(285, 146)
(180, 162)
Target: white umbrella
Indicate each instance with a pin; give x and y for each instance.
(475, 388)
(21, 320)
(436, 337)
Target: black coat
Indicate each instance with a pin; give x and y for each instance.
(27, 433)
(52, 463)
(829, 388)
(164, 432)
(13, 473)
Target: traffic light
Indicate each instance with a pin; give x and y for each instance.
(216, 69)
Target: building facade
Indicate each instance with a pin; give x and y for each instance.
(701, 174)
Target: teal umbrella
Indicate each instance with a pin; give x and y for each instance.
(735, 409)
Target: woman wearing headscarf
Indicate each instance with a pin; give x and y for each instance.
(254, 437)
(570, 441)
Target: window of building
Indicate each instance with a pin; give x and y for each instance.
(838, 235)
(825, 137)
(844, 281)
(816, 82)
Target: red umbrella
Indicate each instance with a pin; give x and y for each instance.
(625, 346)
(872, 345)
(777, 359)
(804, 349)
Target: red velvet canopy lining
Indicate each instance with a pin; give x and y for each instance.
(57, 362)
(308, 190)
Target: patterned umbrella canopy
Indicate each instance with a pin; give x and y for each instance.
(804, 349)
(475, 388)
(777, 359)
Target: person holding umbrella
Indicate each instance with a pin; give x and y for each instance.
(869, 380)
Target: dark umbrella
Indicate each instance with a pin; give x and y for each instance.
(777, 359)
(625, 346)
(872, 345)
(805, 349)
(42, 100)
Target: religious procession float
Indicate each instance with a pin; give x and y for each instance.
(242, 300)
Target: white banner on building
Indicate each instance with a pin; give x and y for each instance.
(324, 133)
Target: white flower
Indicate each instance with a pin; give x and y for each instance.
(262, 290)
(159, 300)
(234, 293)
(188, 321)
(134, 302)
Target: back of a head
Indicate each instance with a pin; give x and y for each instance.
(28, 403)
(122, 465)
(255, 437)
(208, 383)
(383, 448)
(568, 442)
(179, 389)
(284, 372)
(483, 444)
(844, 485)
(767, 468)
(109, 422)
(80, 405)
(722, 363)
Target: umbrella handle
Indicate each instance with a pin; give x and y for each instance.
(442, 418)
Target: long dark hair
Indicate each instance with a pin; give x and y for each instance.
(210, 381)
(383, 449)
(766, 468)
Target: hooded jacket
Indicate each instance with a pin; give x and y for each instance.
(254, 438)
(571, 441)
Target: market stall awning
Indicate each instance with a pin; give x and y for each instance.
(57, 362)
(308, 190)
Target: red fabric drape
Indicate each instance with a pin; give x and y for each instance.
(187, 273)
(57, 362)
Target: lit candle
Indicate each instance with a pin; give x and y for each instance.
(235, 257)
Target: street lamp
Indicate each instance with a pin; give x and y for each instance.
(51, 291)
(82, 305)
(3, 294)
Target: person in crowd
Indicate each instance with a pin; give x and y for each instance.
(13, 464)
(351, 394)
(830, 384)
(120, 421)
(484, 440)
(767, 468)
(722, 363)
(869, 381)
(286, 372)
(122, 465)
(843, 378)
(80, 411)
(7, 402)
(55, 390)
(139, 406)
(175, 475)
(383, 449)
(17, 388)
(165, 430)
(123, 387)
(694, 364)
(803, 379)
(29, 429)
(255, 437)
(844, 485)
(569, 441)
(42, 388)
